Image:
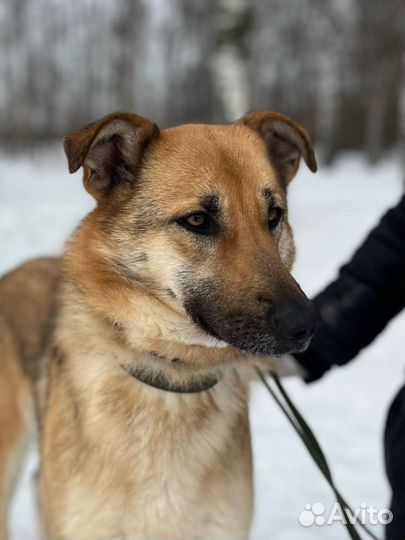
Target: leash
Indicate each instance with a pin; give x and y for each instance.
(307, 436)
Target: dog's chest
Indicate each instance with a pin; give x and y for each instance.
(188, 478)
(179, 467)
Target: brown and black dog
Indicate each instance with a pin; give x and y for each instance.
(136, 354)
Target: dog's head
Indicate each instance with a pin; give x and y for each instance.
(190, 239)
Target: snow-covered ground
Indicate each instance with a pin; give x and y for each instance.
(331, 211)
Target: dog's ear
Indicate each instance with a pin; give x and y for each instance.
(110, 150)
(286, 141)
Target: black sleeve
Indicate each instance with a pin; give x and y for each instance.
(368, 292)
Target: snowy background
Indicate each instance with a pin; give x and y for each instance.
(39, 205)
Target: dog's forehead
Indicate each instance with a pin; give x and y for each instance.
(199, 157)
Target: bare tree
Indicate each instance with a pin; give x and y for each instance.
(335, 65)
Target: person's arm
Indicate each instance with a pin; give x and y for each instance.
(368, 292)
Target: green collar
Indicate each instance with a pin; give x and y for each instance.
(160, 380)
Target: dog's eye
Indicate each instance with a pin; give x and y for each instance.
(196, 220)
(199, 223)
(275, 215)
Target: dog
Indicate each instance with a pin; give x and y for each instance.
(133, 354)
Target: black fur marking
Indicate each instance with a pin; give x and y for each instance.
(211, 203)
(170, 293)
(250, 329)
(200, 321)
(268, 195)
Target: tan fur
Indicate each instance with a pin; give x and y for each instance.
(120, 459)
(27, 298)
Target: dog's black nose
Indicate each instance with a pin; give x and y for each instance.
(295, 321)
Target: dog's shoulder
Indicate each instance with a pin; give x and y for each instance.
(28, 304)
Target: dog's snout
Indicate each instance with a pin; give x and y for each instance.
(295, 321)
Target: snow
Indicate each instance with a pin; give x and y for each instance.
(331, 211)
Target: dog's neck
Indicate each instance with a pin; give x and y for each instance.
(169, 365)
(133, 326)
(163, 379)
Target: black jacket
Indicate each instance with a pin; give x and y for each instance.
(368, 292)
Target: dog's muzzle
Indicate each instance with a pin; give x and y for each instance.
(284, 328)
